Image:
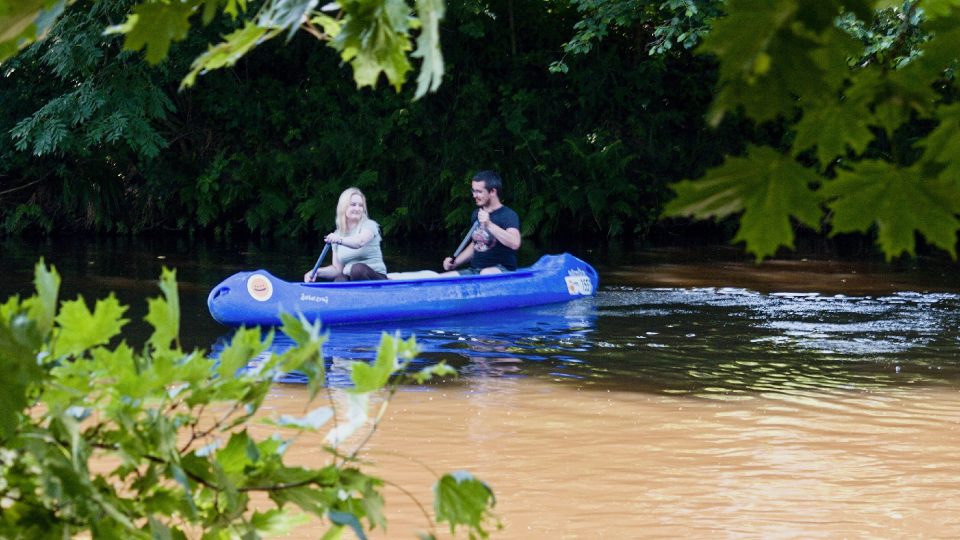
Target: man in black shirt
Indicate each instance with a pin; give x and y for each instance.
(497, 236)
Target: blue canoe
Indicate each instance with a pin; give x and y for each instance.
(258, 297)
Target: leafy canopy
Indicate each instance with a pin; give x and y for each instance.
(373, 36)
(853, 82)
(99, 440)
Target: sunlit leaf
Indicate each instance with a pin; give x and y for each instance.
(239, 452)
(277, 522)
(431, 12)
(768, 187)
(79, 329)
(373, 377)
(154, 26)
(164, 313)
(24, 21)
(307, 357)
(285, 15)
(43, 307)
(374, 40)
(900, 201)
(246, 344)
(226, 53)
(440, 369)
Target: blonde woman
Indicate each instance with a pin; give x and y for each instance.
(355, 242)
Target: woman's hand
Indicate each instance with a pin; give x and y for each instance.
(309, 277)
(333, 238)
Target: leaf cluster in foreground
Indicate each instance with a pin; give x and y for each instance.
(98, 438)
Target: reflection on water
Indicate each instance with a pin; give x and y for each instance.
(716, 343)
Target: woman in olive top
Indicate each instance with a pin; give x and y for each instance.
(356, 243)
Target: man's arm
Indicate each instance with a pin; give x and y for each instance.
(508, 237)
(465, 256)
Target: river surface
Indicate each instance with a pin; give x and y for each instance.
(698, 394)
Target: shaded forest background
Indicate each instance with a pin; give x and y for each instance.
(588, 109)
(94, 139)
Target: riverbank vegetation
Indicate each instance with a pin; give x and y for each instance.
(98, 439)
(837, 117)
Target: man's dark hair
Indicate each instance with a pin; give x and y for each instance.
(491, 181)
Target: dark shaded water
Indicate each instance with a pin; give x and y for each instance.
(706, 323)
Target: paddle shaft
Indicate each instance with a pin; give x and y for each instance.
(323, 255)
(465, 240)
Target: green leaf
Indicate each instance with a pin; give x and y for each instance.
(42, 308)
(461, 499)
(370, 378)
(164, 313)
(740, 41)
(942, 145)
(277, 522)
(226, 53)
(939, 8)
(435, 370)
(833, 127)
(245, 345)
(24, 21)
(239, 452)
(374, 40)
(901, 202)
(768, 187)
(307, 357)
(79, 329)
(431, 12)
(154, 26)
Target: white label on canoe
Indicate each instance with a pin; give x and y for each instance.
(578, 282)
(304, 297)
(259, 287)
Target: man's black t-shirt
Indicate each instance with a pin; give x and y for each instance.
(487, 251)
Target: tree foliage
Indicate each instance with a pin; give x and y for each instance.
(373, 36)
(866, 92)
(266, 147)
(99, 439)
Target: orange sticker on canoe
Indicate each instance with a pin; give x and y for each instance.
(259, 287)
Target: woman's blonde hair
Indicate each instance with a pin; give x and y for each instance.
(342, 206)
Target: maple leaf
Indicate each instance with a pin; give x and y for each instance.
(374, 40)
(155, 26)
(80, 329)
(767, 186)
(832, 128)
(943, 143)
(900, 201)
(428, 47)
(226, 53)
(164, 313)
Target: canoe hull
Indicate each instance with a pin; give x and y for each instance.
(258, 297)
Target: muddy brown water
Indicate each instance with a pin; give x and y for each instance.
(694, 396)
